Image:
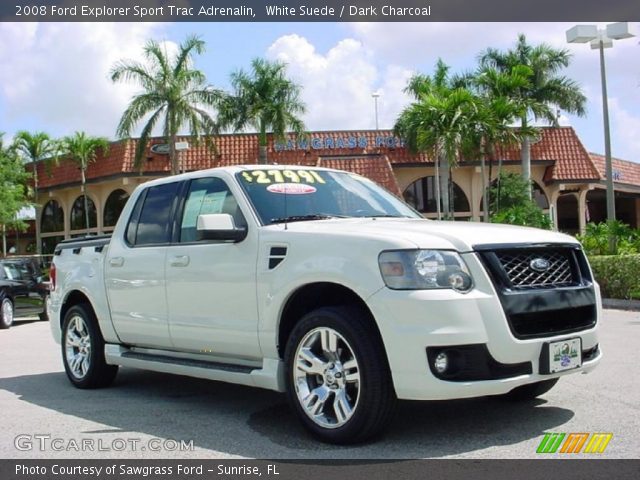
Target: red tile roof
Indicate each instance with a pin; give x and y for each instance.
(624, 171)
(367, 152)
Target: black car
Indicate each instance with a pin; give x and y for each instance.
(23, 291)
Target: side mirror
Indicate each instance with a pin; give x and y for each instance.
(219, 226)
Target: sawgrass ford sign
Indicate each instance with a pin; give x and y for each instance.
(330, 142)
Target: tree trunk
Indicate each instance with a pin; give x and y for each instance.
(452, 202)
(86, 199)
(485, 196)
(173, 155)
(525, 154)
(444, 186)
(262, 154)
(262, 144)
(37, 208)
(436, 183)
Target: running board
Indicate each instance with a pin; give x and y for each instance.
(270, 376)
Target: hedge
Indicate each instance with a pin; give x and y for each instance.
(618, 275)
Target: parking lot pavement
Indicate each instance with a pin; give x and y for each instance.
(152, 415)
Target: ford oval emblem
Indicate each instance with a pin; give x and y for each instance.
(539, 265)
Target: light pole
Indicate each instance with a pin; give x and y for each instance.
(601, 39)
(375, 96)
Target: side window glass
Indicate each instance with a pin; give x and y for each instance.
(132, 226)
(207, 196)
(154, 226)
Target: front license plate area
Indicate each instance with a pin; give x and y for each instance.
(560, 356)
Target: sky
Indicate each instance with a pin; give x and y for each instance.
(54, 76)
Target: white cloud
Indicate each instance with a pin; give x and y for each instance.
(338, 84)
(626, 128)
(56, 74)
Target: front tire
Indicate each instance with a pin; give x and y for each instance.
(338, 378)
(83, 350)
(6, 313)
(531, 391)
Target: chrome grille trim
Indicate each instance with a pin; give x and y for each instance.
(517, 265)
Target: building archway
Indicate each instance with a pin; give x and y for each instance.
(537, 194)
(421, 195)
(78, 217)
(568, 221)
(52, 219)
(113, 207)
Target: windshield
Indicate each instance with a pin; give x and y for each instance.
(281, 195)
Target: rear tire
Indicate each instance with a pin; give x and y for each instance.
(337, 374)
(6, 313)
(531, 391)
(83, 350)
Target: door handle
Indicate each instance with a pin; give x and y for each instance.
(179, 261)
(116, 261)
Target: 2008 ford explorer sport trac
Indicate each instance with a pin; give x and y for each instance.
(319, 283)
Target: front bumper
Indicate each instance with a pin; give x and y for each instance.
(412, 321)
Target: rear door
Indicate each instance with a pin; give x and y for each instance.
(135, 269)
(211, 285)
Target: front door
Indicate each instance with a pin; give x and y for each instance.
(211, 289)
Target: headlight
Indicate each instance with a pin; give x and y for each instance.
(424, 269)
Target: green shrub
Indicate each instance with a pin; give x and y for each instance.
(511, 204)
(618, 275)
(528, 215)
(596, 238)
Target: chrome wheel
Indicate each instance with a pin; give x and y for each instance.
(326, 376)
(78, 347)
(7, 313)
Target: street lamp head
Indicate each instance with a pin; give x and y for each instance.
(375, 94)
(582, 33)
(621, 30)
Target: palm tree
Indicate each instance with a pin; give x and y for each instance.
(547, 91)
(34, 147)
(172, 91)
(83, 150)
(265, 100)
(438, 123)
(494, 116)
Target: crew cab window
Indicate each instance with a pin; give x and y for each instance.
(206, 196)
(153, 225)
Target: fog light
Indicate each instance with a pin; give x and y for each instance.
(441, 362)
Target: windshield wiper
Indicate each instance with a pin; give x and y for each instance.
(302, 218)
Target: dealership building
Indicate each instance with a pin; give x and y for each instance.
(569, 182)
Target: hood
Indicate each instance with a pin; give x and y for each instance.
(460, 236)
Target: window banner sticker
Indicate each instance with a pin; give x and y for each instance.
(283, 176)
(291, 188)
(213, 202)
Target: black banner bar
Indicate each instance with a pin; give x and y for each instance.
(318, 10)
(578, 469)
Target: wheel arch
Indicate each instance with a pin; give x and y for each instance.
(311, 296)
(73, 298)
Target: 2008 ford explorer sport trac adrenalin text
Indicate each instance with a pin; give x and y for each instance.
(319, 283)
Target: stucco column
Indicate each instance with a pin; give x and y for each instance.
(582, 209)
(553, 204)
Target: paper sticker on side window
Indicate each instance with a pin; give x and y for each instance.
(283, 176)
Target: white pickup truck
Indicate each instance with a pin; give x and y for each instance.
(319, 283)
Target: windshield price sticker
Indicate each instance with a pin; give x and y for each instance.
(291, 188)
(282, 176)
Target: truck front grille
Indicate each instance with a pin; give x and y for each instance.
(519, 266)
(545, 290)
